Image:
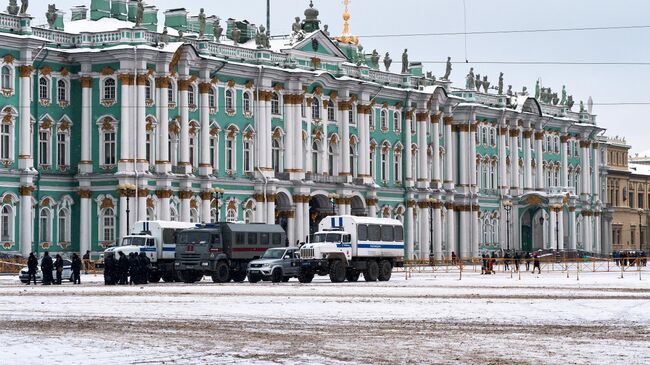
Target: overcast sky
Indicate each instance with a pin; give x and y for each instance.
(605, 83)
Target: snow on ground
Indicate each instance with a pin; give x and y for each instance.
(429, 318)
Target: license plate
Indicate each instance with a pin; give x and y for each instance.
(254, 271)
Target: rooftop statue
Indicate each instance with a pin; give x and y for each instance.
(500, 86)
(139, 15)
(180, 34)
(469, 80)
(477, 82)
(486, 84)
(201, 23)
(217, 30)
(326, 30)
(164, 37)
(582, 107)
(447, 69)
(509, 92)
(524, 91)
(387, 61)
(296, 31)
(555, 99)
(51, 15)
(13, 8)
(563, 99)
(374, 59)
(405, 62)
(24, 4)
(570, 102)
(537, 90)
(261, 38)
(235, 35)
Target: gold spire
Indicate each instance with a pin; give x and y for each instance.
(345, 37)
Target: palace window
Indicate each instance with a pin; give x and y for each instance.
(230, 151)
(493, 137)
(275, 104)
(148, 90)
(384, 163)
(192, 146)
(45, 229)
(383, 119)
(229, 100)
(6, 224)
(212, 98)
(148, 148)
(351, 120)
(484, 137)
(330, 110)
(371, 119)
(43, 88)
(62, 149)
(315, 108)
(6, 78)
(247, 102)
(191, 95)
(397, 121)
(353, 160)
(5, 141)
(109, 148)
(397, 166)
(107, 222)
(171, 94)
(248, 156)
(276, 155)
(61, 91)
(44, 147)
(231, 215)
(214, 156)
(315, 156)
(63, 228)
(373, 155)
(109, 89)
(331, 169)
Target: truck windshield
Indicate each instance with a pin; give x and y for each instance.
(193, 237)
(273, 254)
(134, 241)
(327, 237)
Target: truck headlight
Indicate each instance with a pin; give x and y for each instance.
(204, 264)
(177, 264)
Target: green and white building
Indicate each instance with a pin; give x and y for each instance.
(102, 119)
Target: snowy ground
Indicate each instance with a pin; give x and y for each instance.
(429, 318)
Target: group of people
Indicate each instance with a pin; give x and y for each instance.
(508, 258)
(629, 258)
(50, 267)
(131, 269)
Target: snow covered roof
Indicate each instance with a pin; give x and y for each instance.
(639, 169)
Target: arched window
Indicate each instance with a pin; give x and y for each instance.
(248, 156)
(5, 78)
(6, 224)
(275, 104)
(45, 229)
(351, 119)
(353, 160)
(383, 119)
(247, 102)
(191, 95)
(212, 98)
(62, 149)
(397, 166)
(331, 168)
(194, 215)
(330, 110)
(231, 215)
(148, 90)
(248, 216)
(493, 137)
(63, 227)
(43, 88)
(109, 143)
(373, 156)
(173, 214)
(230, 154)
(397, 121)
(109, 89)
(171, 93)
(315, 108)
(214, 152)
(108, 225)
(61, 90)
(484, 138)
(276, 160)
(229, 100)
(5, 141)
(44, 147)
(384, 163)
(315, 156)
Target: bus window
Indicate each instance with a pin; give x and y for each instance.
(399, 233)
(362, 232)
(264, 238)
(168, 235)
(150, 242)
(374, 232)
(387, 233)
(346, 238)
(277, 239)
(251, 238)
(239, 238)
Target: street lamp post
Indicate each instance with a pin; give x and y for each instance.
(507, 205)
(217, 193)
(126, 189)
(557, 208)
(640, 211)
(431, 203)
(333, 197)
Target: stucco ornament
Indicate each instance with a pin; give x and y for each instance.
(217, 30)
(201, 23)
(500, 85)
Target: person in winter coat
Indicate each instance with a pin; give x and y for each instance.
(133, 269)
(109, 269)
(527, 257)
(536, 264)
(58, 266)
(46, 268)
(144, 263)
(32, 266)
(123, 265)
(76, 268)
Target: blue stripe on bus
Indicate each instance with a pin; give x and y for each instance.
(169, 248)
(343, 245)
(377, 245)
(147, 249)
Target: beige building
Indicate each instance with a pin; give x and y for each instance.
(628, 196)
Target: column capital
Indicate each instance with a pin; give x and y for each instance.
(564, 139)
(204, 87)
(143, 192)
(126, 79)
(184, 85)
(25, 190)
(86, 82)
(293, 98)
(448, 120)
(421, 117)
(205, 195)
(85, 193)
(435, 118)
(25, 71)
(141, 79)
(371, 201)
(585, 144)
(270, 198)
(539, 135)
(164, 193)
(185, 194)
(162, 82)
(527, 134)
(514, 132)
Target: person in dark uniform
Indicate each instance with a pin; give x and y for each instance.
(123, 265)
(58, 266)
(109, 269)
(76, 268)
(144, 262)
(506, 261)
(527, 257)
(32, 266)
(46, 268)
(134, 277)
(536, 264)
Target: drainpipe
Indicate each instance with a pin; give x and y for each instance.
(36, 227)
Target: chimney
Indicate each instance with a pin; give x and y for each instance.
(176, 19)
(79, 12)
(100, 9)
(119, 10)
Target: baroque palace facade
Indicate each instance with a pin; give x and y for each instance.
(109, 115)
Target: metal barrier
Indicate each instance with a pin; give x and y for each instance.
(12, 265)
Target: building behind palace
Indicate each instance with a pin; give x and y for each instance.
(104, 118)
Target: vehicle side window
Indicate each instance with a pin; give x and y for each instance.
(251, 238)
(346, 238)
(216, 239)
(387, 233)
(239, 238)
(362, 232)
(277, 239)
(264, 238)
(150, 242)
(168, 235)
(399, 233)
(374, 232)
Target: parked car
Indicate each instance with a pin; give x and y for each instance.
(277, 264)
(67, 272)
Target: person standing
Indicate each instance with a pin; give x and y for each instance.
(46, 268)
(144, 267)
(133, 269)
(58, 266)
(32, 266)
(536, 264)
(76, 268)
(86, 262)
(123, 265)
(109, 269)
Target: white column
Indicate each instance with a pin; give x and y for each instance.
(141, 124)
(26, 221)
(185, 205)
(85, 164)
(364, 141)
(552, 226)
(597, 234)
(183, 108)
(260, 128)
(435, 139)
(270, 209)
(291, 228)
(424, 236)
(449, 153)
(596, 174)
(572, 229)
(372, 207)
(451, 231)
(299, 221)
(290, 131)
(84, 221)
(475, 233)
(410, 224)
(561, 227)
(298, 153)
(472, 157)
(163, 163)
(564, 165)
(142, 207)
(324, 142)
(514, 161)
(408, 160)
(421, 135)
(437, 230)
(344, 122)
(260, 209)
(163, 202)
(503, 182)
(464, 233)
(205, 168)
(126, 127)
(206, 198)
(123, 219)
(528, 173)
(464, 159)
(25, 157)
(584, 173)
(539, 159)
(305, 219)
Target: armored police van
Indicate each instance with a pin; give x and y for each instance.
(223, 250)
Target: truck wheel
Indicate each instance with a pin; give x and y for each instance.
(154, 277)
(187, 277)
(352, 276)
(286, 279)
(337, 271)
(372, 271)
(239, 276)
(276, 276)
(305, 276)
(198, 276)
(221, 273)
(385, 270)
(168, 277)
(254, 278)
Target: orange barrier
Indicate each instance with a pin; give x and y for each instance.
(12, 265)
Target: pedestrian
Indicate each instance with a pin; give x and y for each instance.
(536, 264)
(46, 268)
(453, 258)
(145, 263)
(506, 261)
(484, 264)
(527, 257)
(58, 266)
(110, 277)
(76, 268)
(133, 269)
(493, 258)
(123, 265)
(86, 262)
(32, 266)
